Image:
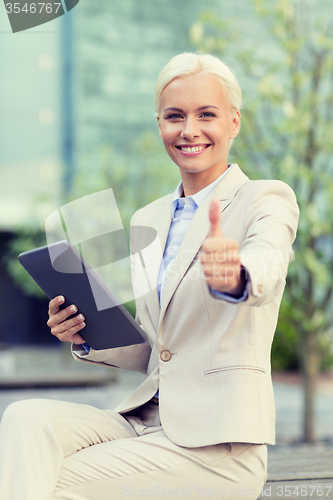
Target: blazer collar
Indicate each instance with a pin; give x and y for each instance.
(225, 191)
(161, 223)
(230, 184)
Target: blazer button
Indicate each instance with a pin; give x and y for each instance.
(165, 355)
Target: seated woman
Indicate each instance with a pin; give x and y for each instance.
(199, 423)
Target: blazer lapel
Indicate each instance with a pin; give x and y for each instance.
(153, 256)
(198, 231)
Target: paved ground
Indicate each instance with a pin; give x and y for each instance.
(292, 466)
(289, 403)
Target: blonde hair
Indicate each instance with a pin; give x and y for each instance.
(189, 63)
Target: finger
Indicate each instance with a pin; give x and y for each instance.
(65, 334)
(61, 316)
(212, 253)
(55, 304)
(214, 217)
(71, 336)
(221, 272)
(59, 327)
(221, 285)
(223, 282)
(77, 339)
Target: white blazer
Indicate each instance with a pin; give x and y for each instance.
(210, 358)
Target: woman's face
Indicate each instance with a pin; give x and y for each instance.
(195, 123)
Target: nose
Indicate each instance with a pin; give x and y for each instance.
(190, 129)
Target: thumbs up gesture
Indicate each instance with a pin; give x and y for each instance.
(220, 257)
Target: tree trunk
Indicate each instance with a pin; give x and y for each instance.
(308, 415)
(310, 368)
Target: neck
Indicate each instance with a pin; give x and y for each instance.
(195, 182)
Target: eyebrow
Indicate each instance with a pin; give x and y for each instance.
(182, 111)
(209, 106)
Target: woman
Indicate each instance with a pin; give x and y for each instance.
(199, 423)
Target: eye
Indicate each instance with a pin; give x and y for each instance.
(207, 114)
(174, 116)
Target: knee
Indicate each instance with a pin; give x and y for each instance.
(21, 413)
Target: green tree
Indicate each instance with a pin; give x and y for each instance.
(287, 134)
(137, 179)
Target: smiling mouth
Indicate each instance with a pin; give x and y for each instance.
(193, 149)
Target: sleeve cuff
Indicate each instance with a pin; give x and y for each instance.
(86, 347)
(230, 298)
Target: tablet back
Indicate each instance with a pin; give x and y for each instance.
(59, 269)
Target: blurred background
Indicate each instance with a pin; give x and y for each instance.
(77, 117)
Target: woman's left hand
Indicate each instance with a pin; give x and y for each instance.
(220, 257)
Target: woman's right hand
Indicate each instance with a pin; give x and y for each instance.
(61, 327)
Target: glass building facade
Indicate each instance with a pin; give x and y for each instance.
(75, 86)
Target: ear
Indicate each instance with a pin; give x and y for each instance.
(159, 125)
(236, 124)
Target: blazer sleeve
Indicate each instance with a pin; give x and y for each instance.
(271, 219)
(134, 357)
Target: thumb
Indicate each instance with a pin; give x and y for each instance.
(214, 217)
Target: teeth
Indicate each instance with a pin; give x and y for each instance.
(194, 149)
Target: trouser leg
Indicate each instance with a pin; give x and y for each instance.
(37, 435)
(52, 450)
(150, 465)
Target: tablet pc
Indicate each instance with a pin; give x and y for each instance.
(59, 269)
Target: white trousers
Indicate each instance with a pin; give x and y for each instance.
(55, 450)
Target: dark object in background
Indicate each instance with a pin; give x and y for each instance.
(22, 318)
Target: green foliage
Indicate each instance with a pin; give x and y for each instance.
(26, 239)
(287, 134)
